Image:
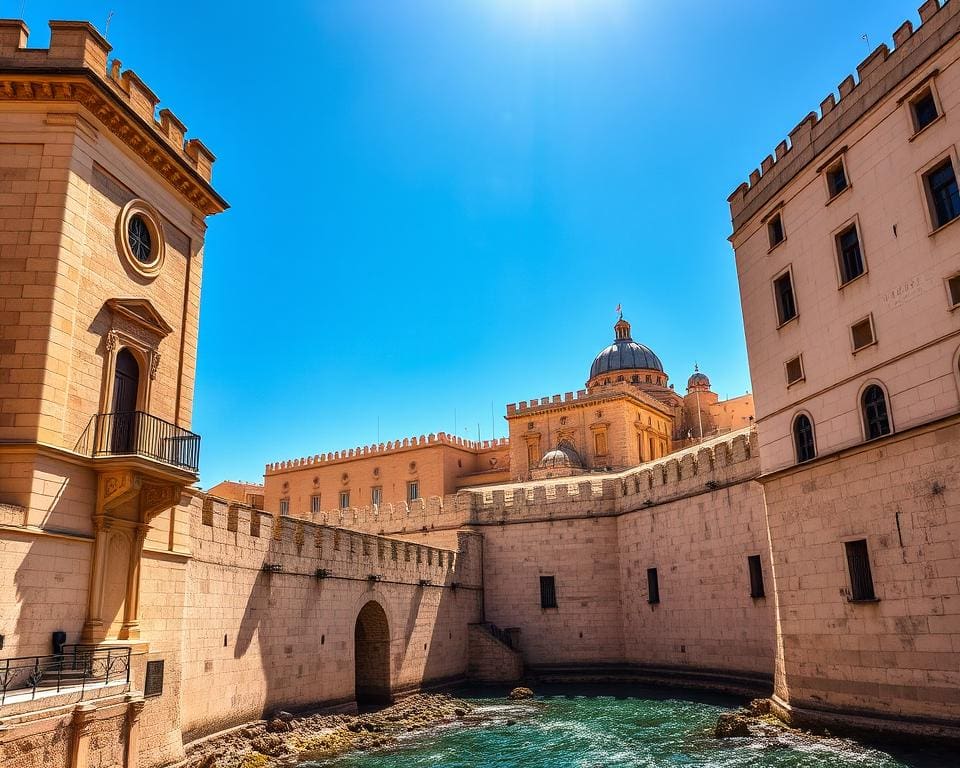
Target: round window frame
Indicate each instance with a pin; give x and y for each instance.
(151, 218)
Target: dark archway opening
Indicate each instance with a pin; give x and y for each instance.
(372, 656)
(126, 385)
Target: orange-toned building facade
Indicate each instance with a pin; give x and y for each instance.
(628, 414)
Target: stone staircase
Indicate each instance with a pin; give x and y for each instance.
(493, 654)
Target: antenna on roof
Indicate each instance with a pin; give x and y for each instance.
(106, 29)
(866, 39)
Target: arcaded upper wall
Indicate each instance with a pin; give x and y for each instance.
(907, 260)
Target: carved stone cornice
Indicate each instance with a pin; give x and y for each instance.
(82, 87)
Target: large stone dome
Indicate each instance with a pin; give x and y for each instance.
(624, 354)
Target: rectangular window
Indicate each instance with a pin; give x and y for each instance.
(376, 495)
(344, 499)
(794, 370)
(533, 454)
(653, 586)
(413, 490)
(924, 109)
(653, 450)
(862, 334)
(284, 506)
(548, 592)
(315, 503)
(941, 185)
(756, 576)
(600, 443)
(858, 561)
(849, 255)
(775, 230)
(786, 304)
(836, 178)
(953, 288)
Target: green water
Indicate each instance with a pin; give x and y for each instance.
(620, 728)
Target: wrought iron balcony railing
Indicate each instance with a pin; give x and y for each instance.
(78, 666)
(135, 433)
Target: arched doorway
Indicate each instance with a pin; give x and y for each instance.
(372, 655)
(126, 385)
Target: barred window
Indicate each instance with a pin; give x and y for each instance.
(548, 592)
(315, 503)
(344, 499)
(284, 506)
(875, 418)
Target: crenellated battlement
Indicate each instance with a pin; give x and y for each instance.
(391, 446)
(716, 463)
(877, 75)
(75, 68)
(230, 532)
(582, 396)
(700, 469)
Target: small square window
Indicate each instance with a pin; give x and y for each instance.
(836, 178)
(548, 592)
(775, 230)
(344, 499)
(862, 333)
(653, 586)
(786, 303)
(794, 370)
(284, 506)
(944, 197)
(924, 109)
(953, 288)
(849, 254)
(756, 576)
(858, 563)
(315, 503)
(413, 490)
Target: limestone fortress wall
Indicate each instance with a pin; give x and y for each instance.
(813, 556)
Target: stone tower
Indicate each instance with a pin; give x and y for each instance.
(101, 249)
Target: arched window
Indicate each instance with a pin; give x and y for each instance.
(803, 438)
(876, 420)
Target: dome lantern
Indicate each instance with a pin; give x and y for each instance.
(625, 355)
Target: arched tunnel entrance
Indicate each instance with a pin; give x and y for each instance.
(372, 655)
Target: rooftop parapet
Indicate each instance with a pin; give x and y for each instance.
(584, 396)
(717, 463)
(76, 47)
(391, 446)
(877, 75)
(696, 470)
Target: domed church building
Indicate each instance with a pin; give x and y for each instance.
(624, 417)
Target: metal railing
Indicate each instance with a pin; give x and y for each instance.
(78, 666)
(136, 433)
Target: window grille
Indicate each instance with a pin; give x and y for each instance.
(875, 412)
(548, 592)
(284, 506)
(315, 504)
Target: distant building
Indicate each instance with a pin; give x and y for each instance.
(628, 414)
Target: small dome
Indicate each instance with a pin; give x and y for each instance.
(698, 379)
(624, 354)
(564, 456)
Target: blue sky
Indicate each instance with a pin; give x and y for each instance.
(438, 204)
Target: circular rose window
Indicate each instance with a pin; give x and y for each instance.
(140, 237)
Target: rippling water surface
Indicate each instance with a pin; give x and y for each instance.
(619, 728)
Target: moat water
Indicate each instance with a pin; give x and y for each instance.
(621, 727)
